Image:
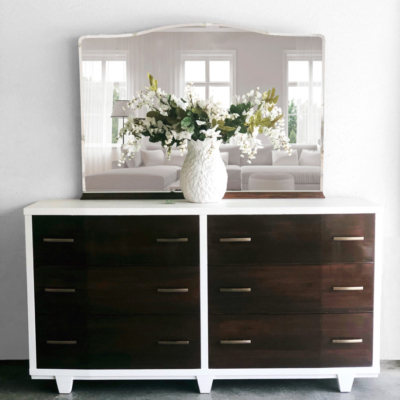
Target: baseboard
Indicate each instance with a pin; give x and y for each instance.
(390, 363)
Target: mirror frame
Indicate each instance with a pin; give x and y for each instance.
(179, 195)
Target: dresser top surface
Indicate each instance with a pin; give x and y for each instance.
(183, 207)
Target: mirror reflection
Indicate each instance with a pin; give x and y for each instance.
(219, 63)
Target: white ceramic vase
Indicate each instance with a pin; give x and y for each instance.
(203, 176)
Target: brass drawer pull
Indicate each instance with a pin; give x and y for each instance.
(178, 240)
(347, 238)
(235, 342)
(173, 342)
(50, 240)
(67, 342)
(227, 240)
(51, 290)
(346, 341)
(347, 288)
(235, 290)
(180, 290)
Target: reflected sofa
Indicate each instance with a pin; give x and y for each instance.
(134, 176)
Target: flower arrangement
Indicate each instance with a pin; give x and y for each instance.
(173, 121)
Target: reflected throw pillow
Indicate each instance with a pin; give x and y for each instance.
(310, 158)
(280, 157)
(225, 158)
(152, 157)
(176, 158)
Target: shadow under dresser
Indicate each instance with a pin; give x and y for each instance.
(242, 289)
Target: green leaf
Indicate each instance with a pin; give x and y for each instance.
(190, 129)
(172, 120)
(227, 128)
(180, 113)
(177, 128)
(156, 115)
(153, 82)
(266, 123)
(197, 110)
(186, 122)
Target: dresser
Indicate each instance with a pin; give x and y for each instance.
(242, 289)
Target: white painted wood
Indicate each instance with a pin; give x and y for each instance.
(183, 207)
(378, 272)
(30, 291)
(203, 292)
(251, 373)
(205, 383)
(204, 375)
(345, 382)
(64, 384)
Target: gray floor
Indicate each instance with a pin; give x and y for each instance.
(16, 384)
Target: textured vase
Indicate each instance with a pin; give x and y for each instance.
(203, 176)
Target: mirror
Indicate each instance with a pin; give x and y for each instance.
(219, 62)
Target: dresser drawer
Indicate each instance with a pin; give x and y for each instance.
(291, 341)
(116, 240)
(283, 289)
(58, 240)
(290, 239)
(110, 290)
(140, 342)
(348, 238)
(263, 239)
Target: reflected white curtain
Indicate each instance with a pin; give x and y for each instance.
(103, 80)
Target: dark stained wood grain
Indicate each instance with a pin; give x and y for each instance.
(346, 326)
(116, 290)
(133, 240)
(116, 342)
(179, 195)
(275, 239)
(274, 195)
(286, 289)
(290, 239)
(348, 225)
(290, 341)
(116, 240)
(58, 227)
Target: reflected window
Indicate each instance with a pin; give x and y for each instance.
(104, 81)
(304, 97)
(212, 74)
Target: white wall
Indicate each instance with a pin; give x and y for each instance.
(40, 120)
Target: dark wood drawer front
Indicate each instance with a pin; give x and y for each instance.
(290, 341)
(348, 238)
(58, 240)
(274, 239)
(141, 342)
(116, 240)
(109, 290)
(281, 289)
(154, 240)
(290, 239)
(350, 328)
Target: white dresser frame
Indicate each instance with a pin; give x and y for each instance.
(205, 375)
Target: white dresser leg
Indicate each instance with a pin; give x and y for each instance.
(205, 383)
(345, 382)
(64, 384)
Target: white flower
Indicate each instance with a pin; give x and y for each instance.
(212, 133)
(182, 135)
(201, 122)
